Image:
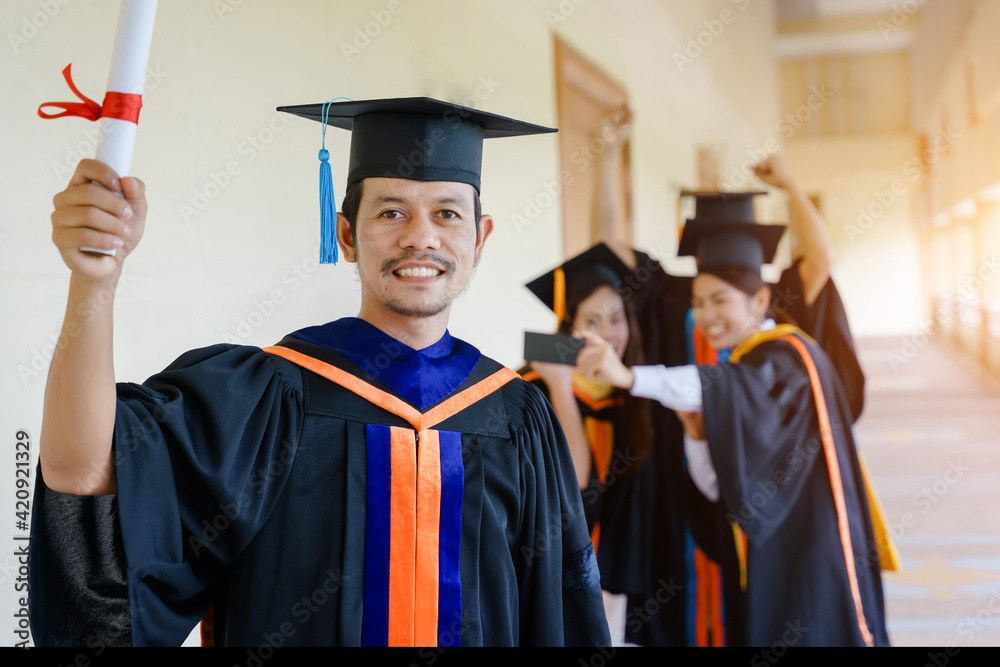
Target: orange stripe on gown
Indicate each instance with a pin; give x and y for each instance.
(415, 496)
(709, 628)
(836, 483)
(600, 435)
(403, 538)
(701, 598)
(388, 402)
(428, 534)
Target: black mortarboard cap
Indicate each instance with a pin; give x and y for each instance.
(724, 232)
(416, 138)
(580, 276)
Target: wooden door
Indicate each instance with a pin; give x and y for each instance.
(586, 96)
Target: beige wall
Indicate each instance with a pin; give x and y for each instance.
(865, 185)
(855, 150)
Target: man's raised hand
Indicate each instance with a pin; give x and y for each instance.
(88, 214)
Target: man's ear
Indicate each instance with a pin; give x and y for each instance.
(485, 229)
(346, 239)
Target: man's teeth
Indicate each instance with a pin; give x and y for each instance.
(417, 272)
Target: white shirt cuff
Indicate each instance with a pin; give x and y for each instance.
(699, 464)
(677, 387)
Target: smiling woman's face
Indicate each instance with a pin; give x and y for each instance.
(724, 313)
(603, 313)
(416, 244)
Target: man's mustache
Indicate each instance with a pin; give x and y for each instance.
(446, 264)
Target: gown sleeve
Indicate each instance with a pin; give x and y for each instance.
(759, 418)
(78, 592)
(560, 601)
(674, 387)
(592, 494)
(700, 467)
(202, 451)
(825, 321)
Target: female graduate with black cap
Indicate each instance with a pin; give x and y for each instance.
(608, 431)
(768, 440)
(805, 295)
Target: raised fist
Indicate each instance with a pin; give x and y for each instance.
(88, 214)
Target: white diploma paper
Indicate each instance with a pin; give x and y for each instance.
(128, 75)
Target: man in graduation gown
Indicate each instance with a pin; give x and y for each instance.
(371, 481)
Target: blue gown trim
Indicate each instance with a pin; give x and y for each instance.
(422, 377)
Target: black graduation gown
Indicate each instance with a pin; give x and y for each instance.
(763, 433)
(662, 301)
(825, 321)
(617, 507)
(242, 484)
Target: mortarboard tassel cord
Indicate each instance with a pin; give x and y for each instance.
(559, 295)
(327, 202)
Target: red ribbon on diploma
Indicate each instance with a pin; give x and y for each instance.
(123, 106)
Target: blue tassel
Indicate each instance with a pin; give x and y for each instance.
(327, 203)
(327, 211)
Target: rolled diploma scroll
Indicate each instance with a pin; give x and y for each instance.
(129, 59)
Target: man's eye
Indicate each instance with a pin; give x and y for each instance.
(391, 215)
(450, 215)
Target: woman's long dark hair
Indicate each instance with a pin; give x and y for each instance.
(636, 423)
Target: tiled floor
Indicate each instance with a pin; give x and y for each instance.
(931, 435)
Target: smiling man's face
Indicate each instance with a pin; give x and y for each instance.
(415, 244)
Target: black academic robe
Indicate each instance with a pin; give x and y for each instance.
(660, 302)
(686, 521)
(242, 487)
(825, 321)
(778, 485)
(617, 499)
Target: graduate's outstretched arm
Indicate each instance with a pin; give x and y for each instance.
(676, 387)
(814, 243)
(79, 413)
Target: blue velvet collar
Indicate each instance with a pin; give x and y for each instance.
(422, 377)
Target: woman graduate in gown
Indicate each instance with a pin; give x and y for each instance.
(768, 440)
(805, 295)
(609, 431)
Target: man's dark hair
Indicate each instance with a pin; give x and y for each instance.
(352, 202)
